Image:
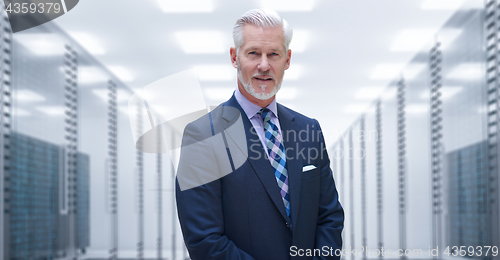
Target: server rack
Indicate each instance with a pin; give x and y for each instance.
(462, 116)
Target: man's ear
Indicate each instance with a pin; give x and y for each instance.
(232, 52)
(288, 58)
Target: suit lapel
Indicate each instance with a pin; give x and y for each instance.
(294, 164)
(257, 156)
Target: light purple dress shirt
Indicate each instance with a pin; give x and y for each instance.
(256, 119)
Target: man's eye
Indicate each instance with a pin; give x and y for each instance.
(252, 53)
(274, 54)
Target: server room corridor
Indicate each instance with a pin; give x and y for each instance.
(407, 93)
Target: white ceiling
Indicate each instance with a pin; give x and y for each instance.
(338, 45)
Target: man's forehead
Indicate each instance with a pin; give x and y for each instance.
(255, 47)
(253, 38)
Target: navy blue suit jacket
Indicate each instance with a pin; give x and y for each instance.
(241, 215)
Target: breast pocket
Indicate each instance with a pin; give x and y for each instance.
(310, 174)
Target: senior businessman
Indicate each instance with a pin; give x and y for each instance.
(264, 189)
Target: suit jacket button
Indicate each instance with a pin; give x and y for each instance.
(287, 225)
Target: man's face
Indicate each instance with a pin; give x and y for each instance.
(261, 60)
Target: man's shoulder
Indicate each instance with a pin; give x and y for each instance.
(204, 125)
(299, 117)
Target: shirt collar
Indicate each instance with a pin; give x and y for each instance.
(252, 109)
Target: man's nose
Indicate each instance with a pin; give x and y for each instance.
(263, 64)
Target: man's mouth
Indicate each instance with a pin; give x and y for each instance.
(263, 78)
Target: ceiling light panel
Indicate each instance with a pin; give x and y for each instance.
(122, 95)
(52, 110)
(389, 94)
(411, 40)
(287, 93)
(386, 71)
(417, 108)
(467, 71)
(215, 72)
(300, 40)
(289, 5)
(441, 4)
(186, 6)
(121, 73)
(355, 108)
(368, 93)
(413, 70)
(198, 42)
(41, 44)
(294, 72)
(89, 42)
(91, 75)
(26, 95)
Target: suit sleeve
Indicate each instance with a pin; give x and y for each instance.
(330, 213)
(200, 208)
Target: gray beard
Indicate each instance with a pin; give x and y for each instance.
(249, 88)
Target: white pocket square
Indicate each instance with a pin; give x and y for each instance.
(308, 168)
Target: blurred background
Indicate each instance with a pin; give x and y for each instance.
(406, 92)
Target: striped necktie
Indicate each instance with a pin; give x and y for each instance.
(277, 157)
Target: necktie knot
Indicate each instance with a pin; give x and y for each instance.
(266, 114)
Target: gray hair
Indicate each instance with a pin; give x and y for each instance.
(265, 18)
